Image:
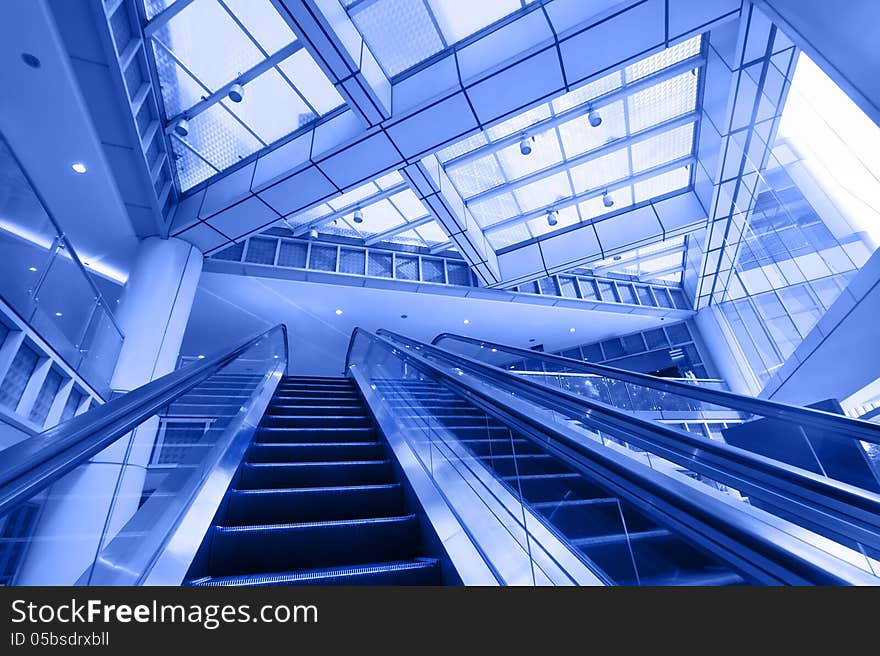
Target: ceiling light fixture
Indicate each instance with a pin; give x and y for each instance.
(32, 268)
(181, 127)
(58, 314)
(31, 60)
(594, 118)
(358, 216)
(525, 144)
(338, 312)
(607, 200)
(313, 233)
(571, 330)
(467, 321)
(404, 316)
(79, 167)
(236, 93)
(200, 357)
(552, 218)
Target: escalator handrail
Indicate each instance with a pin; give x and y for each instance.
(855, 428)
(794, 568)
(35, 463)
(837, 507)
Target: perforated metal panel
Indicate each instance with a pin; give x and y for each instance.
(47, 395)
(458, 274)
(261, 250)
(352, 260)
(379, 265)
(20, 372)
(406, 267)
(292, 254)
(432, 270)
(322, 258)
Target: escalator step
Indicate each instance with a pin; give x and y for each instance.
(315, 421)
(315, 451)
(286, 547)
(277, 435)
(313, 474)
(275, 506)
(421, 571)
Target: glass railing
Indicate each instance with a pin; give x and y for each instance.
(127, 490)
(820, 440)
(839, 516)
(43, 280)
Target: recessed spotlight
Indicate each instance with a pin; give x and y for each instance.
(338, 312)
(525, 144)
(275, 357)
(32, 268)
(571, 330)
(78, 167)
(358, 216)
(236, 93)
(617, 258)
(532, 339)
(494, 350)
(181, 128)
(404, 316)
(467, 321)
(31, 60)
(552, 218)
(58, 314)
(607, 200)
(594, 118)
(200, 357)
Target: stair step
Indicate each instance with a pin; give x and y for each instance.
(333, 410)
(276, 435)
(286, 547)
(315, 421)
(315, 451)
(275, 506)
(421, 571)
(620, 538)
(313, 474)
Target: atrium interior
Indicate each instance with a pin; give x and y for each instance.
(509, 292)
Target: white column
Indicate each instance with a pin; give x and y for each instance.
(153, 314)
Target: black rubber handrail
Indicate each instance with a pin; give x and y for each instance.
(35, 463)
(845, 426)
(752, 546)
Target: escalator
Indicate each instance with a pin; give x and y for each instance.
(424, 466)
(623, 543)
(316, 501)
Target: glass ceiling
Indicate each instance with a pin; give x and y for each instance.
(660, 262)
(430, 26)
(389, 211)
(211, 44)
(641, 149)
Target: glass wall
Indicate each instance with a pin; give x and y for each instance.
(44, 282)
(815, 221)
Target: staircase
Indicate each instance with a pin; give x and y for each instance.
(612, 534)
(316, 500)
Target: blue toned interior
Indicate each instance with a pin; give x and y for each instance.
(433, 292)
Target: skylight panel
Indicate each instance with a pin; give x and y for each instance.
(261, 20)
(218, 137)
(191, 168)
(492, 210)
(409, 205)
(663, 59)
(432, 233)
(301, 218)
(509, 235)
(310, 81)
(564, 217)
(400, 33)
(459, 19)
(601, 171)
(477, 176)
(459, 148)
(518, 123)
(379, 217)
(409, 237)
(389, 180)
(662, 184)
(587, 92)
(593, 208)
(259, 107)
(662, 101)
(353, 196)
(578, 136)
(667, 146)
(545, 152)
(544, 192)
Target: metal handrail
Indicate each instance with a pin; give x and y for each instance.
(777, 555)
(840, 509)
(855, 428)
(35, 463)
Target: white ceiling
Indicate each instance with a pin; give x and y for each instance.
(230, 308)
